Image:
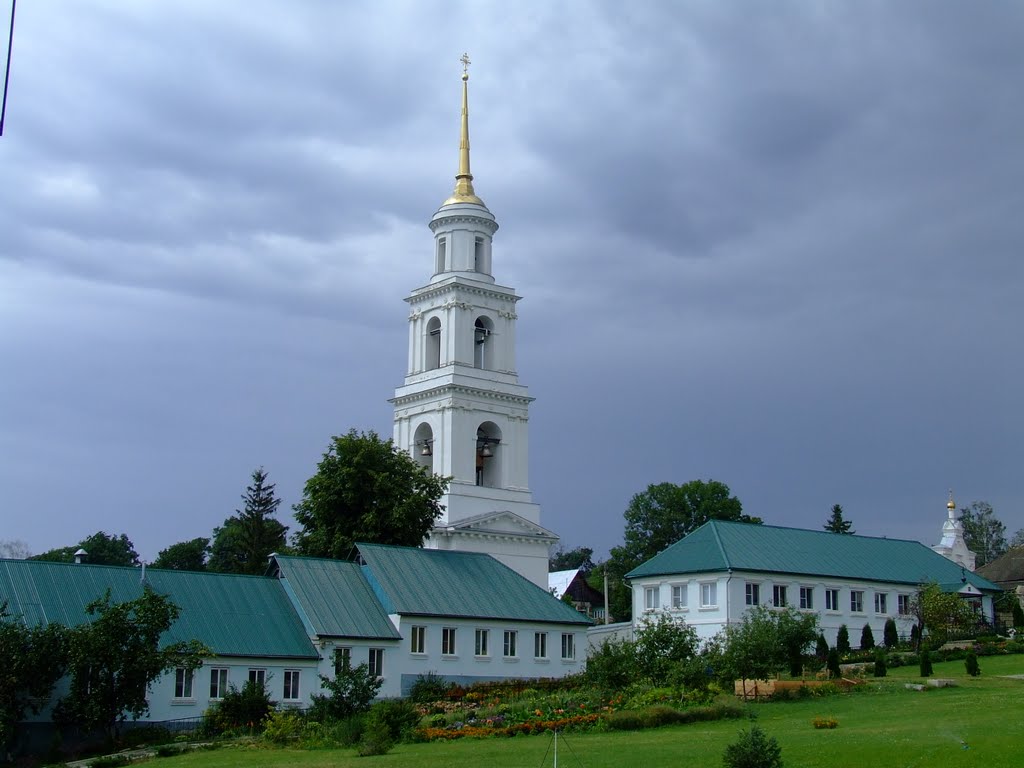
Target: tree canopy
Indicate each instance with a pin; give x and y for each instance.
(103, 549)
(836, 523)
(184, 556)
(245, 540)
(366, 489)
(984, 533)
(31, 663)
(113, 658)
(568, 559)
(15, 549)
(659, 517)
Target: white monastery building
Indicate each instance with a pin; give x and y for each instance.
(461, 411)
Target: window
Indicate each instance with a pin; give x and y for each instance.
(678, 596)
(779, 596)
(831, 599)
(418, 640)
(856, 601)
(753, 594)
(442, 247)
(903, 604)
(481, 339)
(652, 601)
(807, 598)
(478, 255)
(183, 683)
(218, 682)
(708, 595)
(568, 646)
(377, 662)
(481, 643)
(540, 645)
(448, 641)
(342, 659)
(433, 351)
(881, 603)
(509, 644)
(258, 676)
(291, 685)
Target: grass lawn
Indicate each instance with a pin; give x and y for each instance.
(884, 725)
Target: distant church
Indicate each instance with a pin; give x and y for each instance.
(461, 410)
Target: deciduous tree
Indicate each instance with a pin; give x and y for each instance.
(103, 549)
(940, 613)
(184, 556)
(245, 540)
(366, 489)
(984, 533)
(14, 549)
(31, 663)
(837, 523)
(661, 516)
(113, 658)
(568, 559)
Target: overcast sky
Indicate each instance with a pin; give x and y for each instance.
(772, 244)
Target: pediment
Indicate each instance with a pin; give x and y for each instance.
(504, 523)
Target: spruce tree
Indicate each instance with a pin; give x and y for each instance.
(890, 636)
(867, 638)
(836, 523)
(843, 640)
(243, 542)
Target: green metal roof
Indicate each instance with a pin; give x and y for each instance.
(233, 615)
(335, 598)
(721, 546)
(433, 582)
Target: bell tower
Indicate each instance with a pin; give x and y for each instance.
(461, 411)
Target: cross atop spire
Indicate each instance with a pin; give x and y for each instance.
(465, 66)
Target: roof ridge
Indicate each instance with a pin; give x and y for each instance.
(721, 547)
(814, 531)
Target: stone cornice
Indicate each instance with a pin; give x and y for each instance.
(455, 390)
(463, 218)
(432, 291)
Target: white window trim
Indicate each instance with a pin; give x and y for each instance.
(713, 590)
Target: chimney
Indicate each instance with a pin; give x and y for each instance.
(80, 556)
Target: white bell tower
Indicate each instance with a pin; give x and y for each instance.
(461, 411)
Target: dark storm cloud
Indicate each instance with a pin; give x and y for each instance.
(777, 245)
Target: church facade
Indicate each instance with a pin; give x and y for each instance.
(461, 411)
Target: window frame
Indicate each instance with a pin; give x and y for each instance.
(709, 594)
(509, 644)
(568, 646)
(218, 682)
(806, 598)
(291, 690)
(375, 662)
(652, 597)
(184, 683)
(342, 659)
(903, 604)
(679, 597)
(540, 645)
(418, 640)
(856, 601)
(779, 591)
(449, 636)
(258, 675)
(882, 603)
(832, 600)
(752, 593)
(482, 649)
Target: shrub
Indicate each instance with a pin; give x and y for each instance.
(753, 749)
(429, 687)
(971, 664)
(880, 668)
(351, 691)
(890, 636)
(867, 638)
(248, 707)
(843, 640)
(612, 665)
(825, 723)
(926, 663)
(376, 740)
(282, 727)
(1018, 615)
(833, 663)
(399, 716)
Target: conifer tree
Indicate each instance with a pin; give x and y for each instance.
(243, 542)
(836, 523)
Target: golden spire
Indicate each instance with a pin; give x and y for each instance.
(464, 179)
